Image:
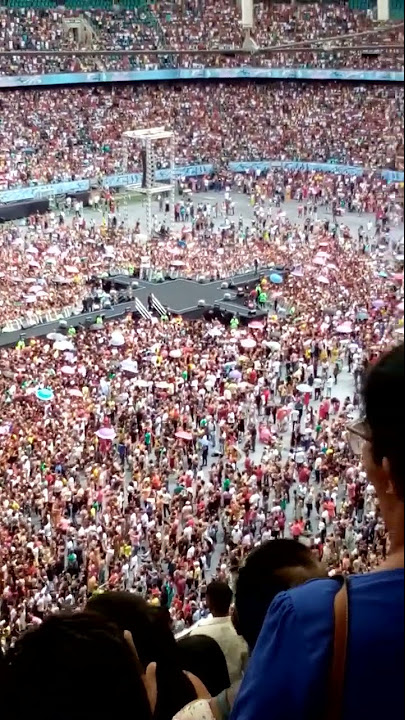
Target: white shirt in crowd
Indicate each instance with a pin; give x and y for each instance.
(232, 645)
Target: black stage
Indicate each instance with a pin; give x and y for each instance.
(25, 208)
(180, 297)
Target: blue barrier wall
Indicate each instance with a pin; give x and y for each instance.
(75, 186)
(202, 74)
(390, 175)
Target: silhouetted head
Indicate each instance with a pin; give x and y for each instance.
(219, 598)
(274, 567)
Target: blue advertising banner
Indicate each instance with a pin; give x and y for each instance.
(202, 74)
(287, 165)
(35, 192)
(122, 180)
(391, 176)
(161, 175)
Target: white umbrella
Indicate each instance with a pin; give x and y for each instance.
(129, 365)
(344, 328)
(117, 339)
(304, 388)
(63, 345)
(248, 343)
(176, 354)
(322, 279)
(75, 392)
(53, 250)
(72, 269)
(35, 289)
(142, 383)
(58, 337)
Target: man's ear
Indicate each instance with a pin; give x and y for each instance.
(149, 677)
(150, 682)
(235, 620)
(390, 490)
(130, 640)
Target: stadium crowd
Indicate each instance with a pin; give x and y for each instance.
(218, 24)
(62, 251)
(195, 25)
(185, 504)
(153, 456)
(355, 125)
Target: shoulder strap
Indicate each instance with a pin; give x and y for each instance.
(338, 665)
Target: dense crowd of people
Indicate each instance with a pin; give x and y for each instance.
(49, 263)
(151, 457)
(192, 25)
(185, 504)
(205, 24)
(105, 435)
(83, 138)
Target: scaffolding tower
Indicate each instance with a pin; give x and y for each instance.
(150, 188)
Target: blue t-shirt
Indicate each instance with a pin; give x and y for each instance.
(288, 674)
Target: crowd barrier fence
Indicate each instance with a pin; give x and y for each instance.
(71, 187)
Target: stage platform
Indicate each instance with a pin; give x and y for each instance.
(179, 296)
(182, 296)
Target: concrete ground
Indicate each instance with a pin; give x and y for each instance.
(136, 210)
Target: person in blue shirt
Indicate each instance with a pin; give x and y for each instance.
(289, 672)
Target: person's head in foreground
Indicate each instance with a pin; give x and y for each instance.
(155, 647)
(274, 567)
(78, 666)
(202, 656)
(380, 438)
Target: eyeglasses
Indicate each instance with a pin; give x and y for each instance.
(359, 434)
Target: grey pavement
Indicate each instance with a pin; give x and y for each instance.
(136, 210)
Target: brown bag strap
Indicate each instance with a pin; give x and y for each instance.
(338, 666)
